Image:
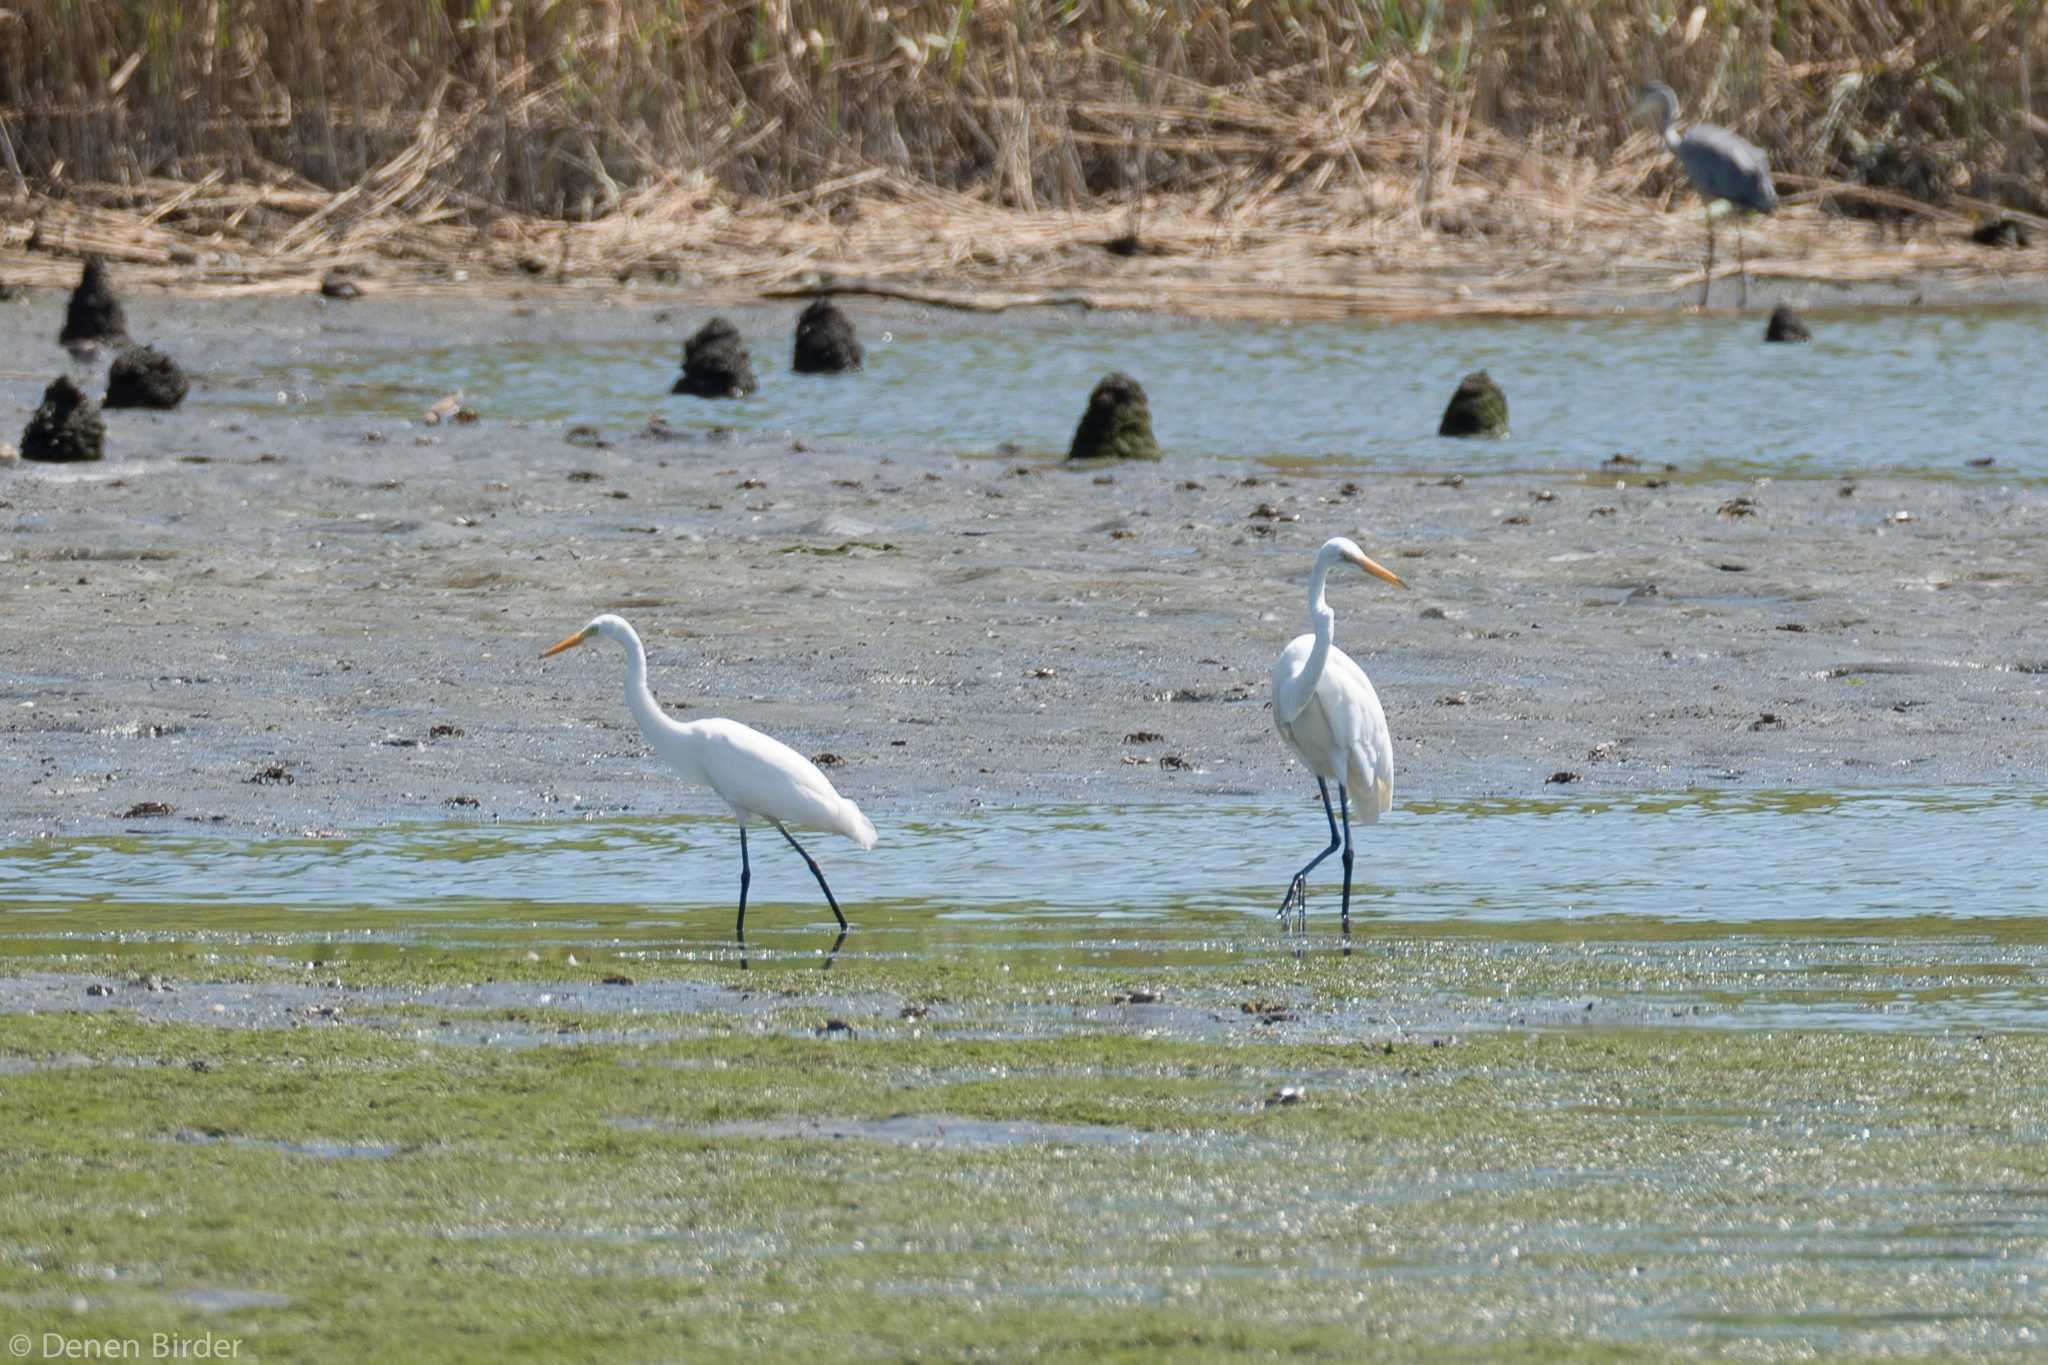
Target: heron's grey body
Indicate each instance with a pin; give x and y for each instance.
(1720, 164)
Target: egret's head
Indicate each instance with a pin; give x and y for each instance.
(612, 627)
(1341, 548)
(1657, 98)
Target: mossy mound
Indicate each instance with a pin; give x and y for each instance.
(1478, 408)
(66, 427)
(825, 343)
(94, 316)
(1117, 424)
(1786, 325)
(144, 377)
(715, 363)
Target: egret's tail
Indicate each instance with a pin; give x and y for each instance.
(854, 825)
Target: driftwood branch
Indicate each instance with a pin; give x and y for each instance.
(827, 285)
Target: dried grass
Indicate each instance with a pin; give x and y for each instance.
(1394, 156)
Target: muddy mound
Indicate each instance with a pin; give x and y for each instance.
(825, 343)
(1786, 325)
(1117, 424)
(66, 427)
(94, 315)
(1478, 408)
(144, 377)
(715, 363)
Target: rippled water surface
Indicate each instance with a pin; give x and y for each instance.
(1923, 391)
(1734, 859)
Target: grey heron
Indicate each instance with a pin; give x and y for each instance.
(1721, 165)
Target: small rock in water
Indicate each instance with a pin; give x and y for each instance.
(825, 343)
(144, 377)
(94, 315)
(1117, 424)
(715, 363)
(1478, 408)
(66, 427)
(1786, 325)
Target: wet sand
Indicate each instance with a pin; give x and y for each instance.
(275, 621)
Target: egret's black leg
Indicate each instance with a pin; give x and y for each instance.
(833, 952)
(746, 875)
(1344, 809)
(1297, 893)
(812, 863)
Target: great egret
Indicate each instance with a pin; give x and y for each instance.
(755, 775)
(1721, 165)
(1329, 715)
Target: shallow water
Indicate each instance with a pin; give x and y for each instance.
(1910, 391)
(1800, 910)
(1731, 859)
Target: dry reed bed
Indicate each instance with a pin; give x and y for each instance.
(1263, 158)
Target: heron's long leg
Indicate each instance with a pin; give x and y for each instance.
(1344, 808)
(1707, 279)
(1296, 892)
(1741, 265)
(746, 875)
(812, 863)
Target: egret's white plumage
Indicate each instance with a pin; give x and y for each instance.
(757, 776)
(1327, 712)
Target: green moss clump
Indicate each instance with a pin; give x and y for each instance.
(1478, 408)
(1117, 424)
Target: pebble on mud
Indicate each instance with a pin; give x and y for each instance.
(66, 427)
(1478, 408)
(94, 315)
(144, 377)
(715, 363)
(1117, 424)
(1786, 325)
(825, 343)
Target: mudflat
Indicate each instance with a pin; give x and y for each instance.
(261, 616)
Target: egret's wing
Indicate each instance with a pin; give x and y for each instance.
(763, 776)
(1359, 727)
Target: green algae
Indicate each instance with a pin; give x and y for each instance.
(1488, 1188)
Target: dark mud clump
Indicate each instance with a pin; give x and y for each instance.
(825, 343)
(66, 427)
(2010, 233)
(94, 315)
(144, 377)
(715, 363)
(1117, 424)
(1478, 408)
(1786, 325)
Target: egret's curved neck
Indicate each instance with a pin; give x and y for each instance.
(639, 700)
(1323, 622)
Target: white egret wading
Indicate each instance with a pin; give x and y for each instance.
(758, 777)
(1329, 715)
(1721, 165)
